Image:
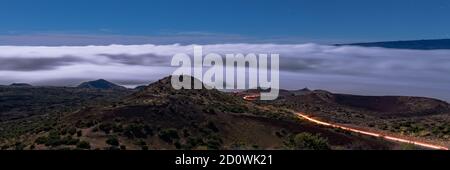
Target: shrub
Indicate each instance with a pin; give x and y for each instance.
(278, 134)
(186, 133)
(307, 141)
(41, 140)
(141, 143)
(193, 142)
(212, 126)
(4, 147)
(113, 148)
(117, 128)
(106, 127)
(168, 135)
(137, 131)
(83, 145)
(112, 141)
(177, 145)
(53, 139)
(72, 131)
(79, 133)
(90, 124)
(63, 131)
(95, 129)
(123, 147)
(19, 146)
(214, 142)
(408, 147)
(69, 141)
(148, 130)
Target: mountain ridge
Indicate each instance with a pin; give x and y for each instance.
(431, 44)
(101, 84)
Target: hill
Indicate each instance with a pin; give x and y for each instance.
(20, 85)
(101, 84)
(160, 117)
(420, 117)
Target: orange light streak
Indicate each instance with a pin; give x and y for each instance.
(391, 138)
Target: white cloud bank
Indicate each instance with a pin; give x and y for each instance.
(346, 69)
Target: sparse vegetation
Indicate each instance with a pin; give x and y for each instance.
(168, 135)
(307, 141)
(113, 141)
(83, 145)
(106, 127)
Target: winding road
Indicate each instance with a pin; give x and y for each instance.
(364, 132)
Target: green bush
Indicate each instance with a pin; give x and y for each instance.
(137, 130)
(72, 131)
(186, 133)
(106, 127)
(63, 131)
(83, 145)
(53, 139)
(177, 145)
(95, 129)
(193, 142)
(113, 141)
(307, 141)
(117, 128)
(41, 140)
(213, 144)
(141, 143)
(79, 133)
(212, 127)
(19, 146)
(69, 141)
(168, 135)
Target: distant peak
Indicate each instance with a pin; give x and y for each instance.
(432, 44)
(305, 89)
(100, 84)
(20, 85)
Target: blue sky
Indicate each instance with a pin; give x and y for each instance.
(246, 20)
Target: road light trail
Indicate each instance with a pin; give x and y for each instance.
(391, 138)
(379, 135)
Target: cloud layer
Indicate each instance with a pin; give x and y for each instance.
(346, 69)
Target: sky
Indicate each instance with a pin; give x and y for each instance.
(221, 21)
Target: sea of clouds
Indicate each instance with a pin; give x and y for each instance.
(343, 69)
